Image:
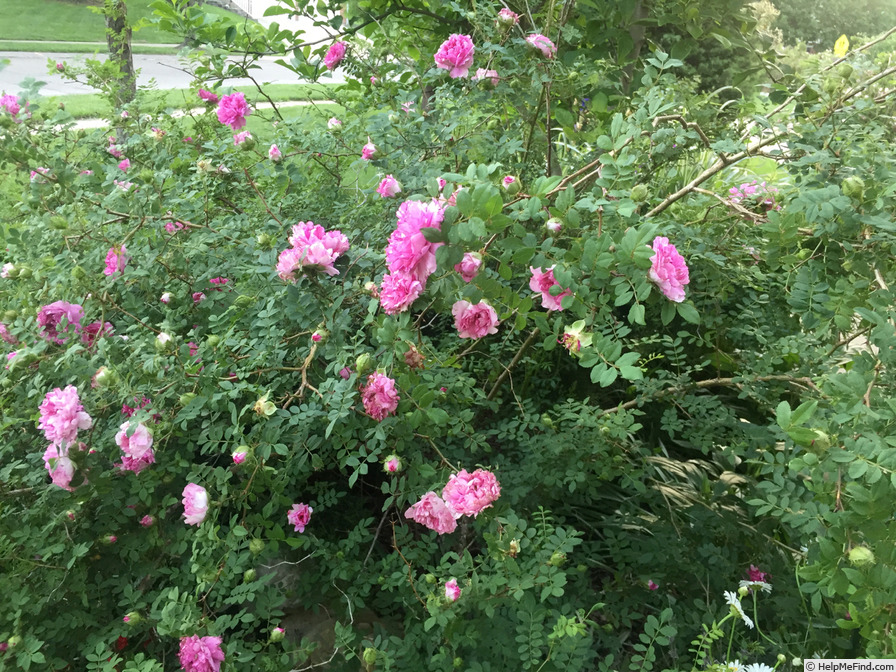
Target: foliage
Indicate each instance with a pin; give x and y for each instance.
(648, 451)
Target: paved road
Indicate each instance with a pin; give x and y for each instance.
(167, 71)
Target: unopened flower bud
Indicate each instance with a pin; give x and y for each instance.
(24, 272)
(861, 556)
(363, 363)
(639, 193)
(742, 591)
(369, 656)
(132, 618)
(558, 559)
(59, 223)
(320, 336)
(430, 578)
(250, 574)
(109, 539)
(854, 187)
(105, 377)
(70, 514)
(553, 225)
(393, 464)
(186, 398)
(256, 546)
(277, 634)
(10, 316)
(513, 548)
(511, 185)
(164, 342)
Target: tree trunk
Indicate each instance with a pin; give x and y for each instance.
(118, 36)
(637, 32)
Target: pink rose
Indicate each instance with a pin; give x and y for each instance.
(542, 44)
(335, 54)
(165, 298)
(313, 249)
(10, 103)
(553, 225)
(147, 521)
(239, 456)
(389, 187)
(241, 137)
(379, 396)
(488, 76)
(393, 464)
(7, 267)
(507, 18)
(233, 110)
(452, 590)
(95, 330)
(398, 291)
(541, 282)
(474, 321)
(408, 250)
(432, 512)
(668, 269)
(469, 266)
(136, 448)
(456, 55)
(299, 515)
(6, 336)
(195, 503)
(49, 317)
(62, 415)
(208, 96)
(125, 164)
(200, 654)
(274, 154)
(468, 494)
(116, 260)
(368, 151)
(59, 466)
(198, 297)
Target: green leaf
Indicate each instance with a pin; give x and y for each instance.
(688, 313)
(782, 415)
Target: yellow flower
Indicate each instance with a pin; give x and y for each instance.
(841, 46)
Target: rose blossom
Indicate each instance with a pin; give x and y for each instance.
(125, 164)
(201, 654)
(62, 415)
(456, 55)
(7, 267)
(95, 330)
(233, 110)
(553, 225)
(389, 187)
(137, 447)
(398, 292)
(542, 44)
(241, 137)
(147, 521)
(49, 317)
(408, 250)
(313, 249)
(299, 515)
(116, 260)
(335, 54)
(668, 269)
(239, 456)
(333, 124)
(165, 298)
(368, 151)
(379, 396)
(432, 512)
(468, 494)
(274, 154)
(195, 503)
(507, 17)
(474, 321)
(393, 464)
(542, 281)
(469, 266)
(10, 103)
(59, 466)
(6, 336)
(452, 590)
(198, 297)
(208, 96)
(488, 76)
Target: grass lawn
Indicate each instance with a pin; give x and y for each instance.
(57, 20)
(83, 106)
(75, 48)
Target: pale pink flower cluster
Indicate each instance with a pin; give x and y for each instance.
(116, 260)
(10, 103)
(136, 448)
(469, 266)
(389, 187)
(313, 249)
(233, 110)
(452, 590)
(456, 55)
(465, 494)
(507, 18)
(410, 258)
(299, 516)
(488, 76)
(61, 417)
(200, 654)
(49, 317)
(208, 96)
(468, 494)
(474, 320)
(668, 269)
(541, 283)
(379, 396)
(195, 503)
(540, 43)
(760, 193)
(335, 54)
(368, 151)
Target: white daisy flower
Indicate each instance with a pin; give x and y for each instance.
(757, 585)
(734, 666)
(732, 599)
(758, 667)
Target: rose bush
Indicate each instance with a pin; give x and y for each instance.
(520, 443)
